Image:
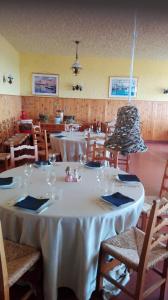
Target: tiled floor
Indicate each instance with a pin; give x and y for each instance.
(149, 167)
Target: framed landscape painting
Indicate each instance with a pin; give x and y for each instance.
(119, 87)
(45, 84)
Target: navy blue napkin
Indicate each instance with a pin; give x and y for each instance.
(117, 199)
(128, 177)
(93, 164)
(31, 203)
(57, 132)
(6, 181)
(60, 136)
(42, 163)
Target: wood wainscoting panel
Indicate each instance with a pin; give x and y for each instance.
(153, 114)
(10, 107)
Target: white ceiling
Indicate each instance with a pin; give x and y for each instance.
(103, 28)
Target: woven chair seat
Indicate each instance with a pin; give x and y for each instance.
(20, 258)
(4, 156)
(127, 247)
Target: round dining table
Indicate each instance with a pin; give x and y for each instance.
(69, 231)
(72, 144)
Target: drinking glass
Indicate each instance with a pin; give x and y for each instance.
(51, 178)
(28, 170)
(52, 158)
(82, 159)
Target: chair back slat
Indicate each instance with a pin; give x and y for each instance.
(4, 286)
(151, 240)
(14, 150)
(164, 184)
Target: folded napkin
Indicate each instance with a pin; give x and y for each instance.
(93, 164)
(117, 199)
(60, 136)
(6, 181)
(32, 204)
(42, 163)
(128, 177)
(57, 132)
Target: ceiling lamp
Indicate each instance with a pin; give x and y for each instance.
(76, 67)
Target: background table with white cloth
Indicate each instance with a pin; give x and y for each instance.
(70, 230)
(72, 144)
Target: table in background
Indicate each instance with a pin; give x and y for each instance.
(72, 144)
(70, 231)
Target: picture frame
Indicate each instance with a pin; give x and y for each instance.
(45, 84)
(119, 87)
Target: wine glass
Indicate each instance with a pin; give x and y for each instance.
(51, 178)
(82, 159)
(52, 158)
(28, 170)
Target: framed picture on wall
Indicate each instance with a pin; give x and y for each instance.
(119, 87)
(45, 84)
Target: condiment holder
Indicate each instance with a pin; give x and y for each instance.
(72, 176)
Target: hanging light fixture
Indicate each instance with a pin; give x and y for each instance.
(76, 67)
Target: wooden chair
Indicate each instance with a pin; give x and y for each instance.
(16, 261)
(36, 129)
(95, 151)
(23, 152)
(149, 199)
(42, 144)
(5, 157)
(139, 252)
(124, 161)
(44, 147)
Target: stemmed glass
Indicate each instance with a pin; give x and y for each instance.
(51, 177)
(102, 181)
(51, 180)
(52, 158)
(28, 170)
(82, 159)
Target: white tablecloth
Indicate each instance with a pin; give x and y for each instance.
(71, 145)
(70, 231)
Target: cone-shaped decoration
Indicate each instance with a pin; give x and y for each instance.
(126, 137)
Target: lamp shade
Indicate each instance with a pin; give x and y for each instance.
(126, 137)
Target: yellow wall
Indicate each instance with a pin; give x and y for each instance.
(94, 77)
(9, 64)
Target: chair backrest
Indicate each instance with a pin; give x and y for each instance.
(97, 152)
(42, 142)
(164, 184)
(155, 234)
(36, 129)
(23, 152)
(4, 286)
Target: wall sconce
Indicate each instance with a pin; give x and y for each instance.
(165, 91)
(77, 87)
(8, 79)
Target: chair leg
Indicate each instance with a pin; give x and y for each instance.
(165, 275)
(144, 221)
(99, 279)
(6, 164)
